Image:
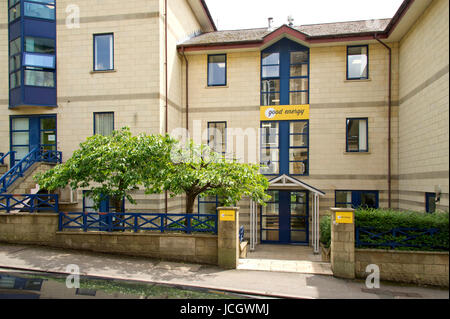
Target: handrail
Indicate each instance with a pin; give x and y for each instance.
(12, 154)
(36, 155)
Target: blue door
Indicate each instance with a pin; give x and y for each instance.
(29, 132)
(285, 218)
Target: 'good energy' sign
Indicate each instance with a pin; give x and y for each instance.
(284, 112)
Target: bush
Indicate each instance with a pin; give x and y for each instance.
(325, 231)
(379, 220)
(382, 220)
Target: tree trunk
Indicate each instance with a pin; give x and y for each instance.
(190, 202)
(118, 208)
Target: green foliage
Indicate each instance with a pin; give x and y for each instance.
(325, 231)
(113, 165)
(196, 170)
(384, 220)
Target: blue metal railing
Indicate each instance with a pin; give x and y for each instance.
(241, 234)
(36, 155)
(109, 222)
(31, 203)
(395, 238)
(3, 157)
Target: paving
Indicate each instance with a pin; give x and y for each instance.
(263, 283)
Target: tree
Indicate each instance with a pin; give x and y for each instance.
(195, 170)
(112, 166)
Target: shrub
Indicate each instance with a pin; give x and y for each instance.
(380, 220)
(325, 231)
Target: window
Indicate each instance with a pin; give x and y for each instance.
(103, 52)
(357, 135)
(357, 62)
(14, 10)
(48, 133)
(217, 70)
(104, 123)
(298, 148)
(15, 63)
(207, 205)
(270, 79)
(355, 199)
(43, 9)
(40, 45)
(217, 136)
(299, 82)
(285, 147)
(270, 153)
(39, 77)
(430, 202)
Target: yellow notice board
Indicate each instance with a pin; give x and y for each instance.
(344, 217)
(227, 215)
(284, 112)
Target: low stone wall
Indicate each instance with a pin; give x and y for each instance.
(42, 229)
(419, 267)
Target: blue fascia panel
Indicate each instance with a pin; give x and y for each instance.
(40, 96)
(39, 28)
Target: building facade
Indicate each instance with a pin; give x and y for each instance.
(353, 113)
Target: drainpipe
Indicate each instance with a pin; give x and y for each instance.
(187, 89)
(166, 201)
(389, 121)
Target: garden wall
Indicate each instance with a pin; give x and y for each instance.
(418, 267)
(42, 229)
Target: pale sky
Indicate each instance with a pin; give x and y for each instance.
(247, 14)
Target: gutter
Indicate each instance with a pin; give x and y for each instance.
(166, 199)
(389, 122)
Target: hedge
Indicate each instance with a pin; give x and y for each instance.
(382, 220)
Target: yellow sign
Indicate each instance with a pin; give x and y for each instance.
(284, 112)
(344, 217)
(227, 215)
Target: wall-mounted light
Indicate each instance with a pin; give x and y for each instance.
(438, 191)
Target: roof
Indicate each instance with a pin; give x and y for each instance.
(312, 30)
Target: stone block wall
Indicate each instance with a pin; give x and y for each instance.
(418, 267)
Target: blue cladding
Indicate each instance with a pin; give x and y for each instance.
(15, 29)
(15, 97)
(40, 96)
(39, 28)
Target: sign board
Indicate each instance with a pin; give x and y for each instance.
(344, 217)
(284, 112)
(227, 215)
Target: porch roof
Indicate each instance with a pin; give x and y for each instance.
(285, 181)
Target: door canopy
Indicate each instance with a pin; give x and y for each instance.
(287, 182)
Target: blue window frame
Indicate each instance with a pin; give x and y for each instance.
(15, 63)
(217, 70)
(285, 147)
(356, 198)
(357, 62)
(104, 52)
(14, 11)
(103, 123)
(217, 137)
(430, 202)
(357, 135)
(285, 74)
(106, 205)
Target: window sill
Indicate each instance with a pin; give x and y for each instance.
(357, 80)
(216, 87)
(357, 153)
(104, 71)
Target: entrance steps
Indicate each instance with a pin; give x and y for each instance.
(285, 258)
(277, 265)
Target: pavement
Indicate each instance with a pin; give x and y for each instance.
(262, 283)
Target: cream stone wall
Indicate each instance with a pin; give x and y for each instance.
(424, 109)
